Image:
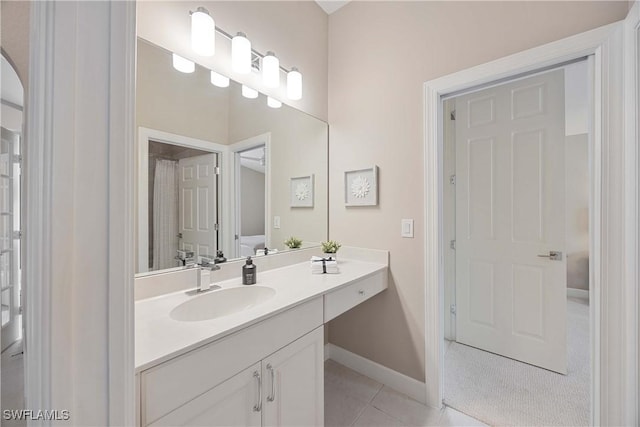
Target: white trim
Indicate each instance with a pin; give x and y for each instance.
(610, 288)
(79, 194)
(121, 213)
(327, 352)
(400, 382)
(144, 136)
(632, 157)
(243, 145)
(38, 213)
(578, 293)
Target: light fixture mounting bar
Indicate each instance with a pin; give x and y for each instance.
(228, 36)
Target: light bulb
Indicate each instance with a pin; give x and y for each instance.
(247, 92)
(219, 80)
(183, 65)
(203, 32)
(241, 54)
(294, 84)
(273, 103)
(271, 70)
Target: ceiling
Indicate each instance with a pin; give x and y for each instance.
(331, 6)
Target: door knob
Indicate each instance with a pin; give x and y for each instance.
(553, 256)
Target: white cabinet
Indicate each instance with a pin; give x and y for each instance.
(286, 388)
(235, 402)
(173, 384)
(293, 383)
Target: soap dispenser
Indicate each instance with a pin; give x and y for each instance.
(249, 272)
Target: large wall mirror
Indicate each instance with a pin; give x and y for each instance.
(218, 171)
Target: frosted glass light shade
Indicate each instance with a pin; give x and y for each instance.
(271, 70)
(241, 54)
(219, 80)
(273, 103)
(203, 32)
(294, 84)
(182, 64)
(247, 92)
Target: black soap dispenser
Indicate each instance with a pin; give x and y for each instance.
(249, 272)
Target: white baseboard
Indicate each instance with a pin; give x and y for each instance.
(578, 293)
(400, 382)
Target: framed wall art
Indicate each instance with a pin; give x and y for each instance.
(361, 187)
(301, 189)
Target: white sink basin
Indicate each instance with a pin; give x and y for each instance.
(221, 303)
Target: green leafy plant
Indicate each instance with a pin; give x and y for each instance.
(293, 242)
(330, 247)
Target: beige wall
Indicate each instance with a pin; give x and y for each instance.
(175, 102)
(577, 210)
(295, 30)
(252, 202)
(14, 36)
(380, 54)
(299, 147)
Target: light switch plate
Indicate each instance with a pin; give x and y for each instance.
(276, 222)
(407, 228)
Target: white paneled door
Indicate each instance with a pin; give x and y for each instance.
(510, 220)
(197, 213)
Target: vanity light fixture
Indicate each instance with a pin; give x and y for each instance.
(271, 70)
(273, 103)
(183, 65)
(294, 84)
(248, 92)
(203, 32)
(219, 80)
(241, 54)
(244, 59)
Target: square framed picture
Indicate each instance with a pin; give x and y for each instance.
(301, 192)
(361, 187)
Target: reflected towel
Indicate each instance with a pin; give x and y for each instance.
(321, 265)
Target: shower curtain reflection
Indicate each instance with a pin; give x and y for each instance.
(165, 214)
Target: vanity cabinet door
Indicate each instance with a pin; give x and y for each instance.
(293, 383)
(235, 402)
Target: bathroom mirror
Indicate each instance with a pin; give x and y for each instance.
(220, 171)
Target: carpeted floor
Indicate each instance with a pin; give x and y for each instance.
(504, 392)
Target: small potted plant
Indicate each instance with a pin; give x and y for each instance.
(330, 248)
(293, 243)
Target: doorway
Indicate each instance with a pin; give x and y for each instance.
(516, 216)
(12, 361)
(251, 175)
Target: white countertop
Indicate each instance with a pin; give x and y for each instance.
(160, 338)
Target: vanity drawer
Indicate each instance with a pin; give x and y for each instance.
(337, 302)
(178, 381)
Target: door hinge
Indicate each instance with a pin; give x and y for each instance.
(17, 158)
(453, 114)
(216, 226)
(17, 234)
(452, 244)
(452, 180)
(217, 170)
(452, 309)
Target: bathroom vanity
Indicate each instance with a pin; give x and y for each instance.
(257, 358)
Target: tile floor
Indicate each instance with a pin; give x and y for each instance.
(352, 399)
(12, 382)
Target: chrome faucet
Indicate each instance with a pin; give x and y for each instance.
(204, 269)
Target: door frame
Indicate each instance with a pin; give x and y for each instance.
(612, 216)
(234, 200)
(145, 135)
